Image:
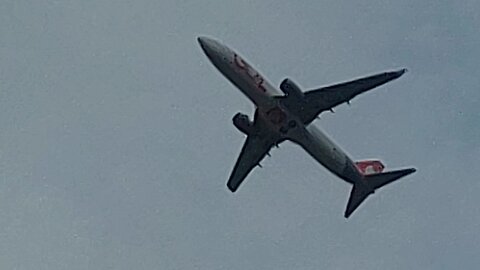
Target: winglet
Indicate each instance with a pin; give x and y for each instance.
(232, 187)
(403, 71)
(397, 74)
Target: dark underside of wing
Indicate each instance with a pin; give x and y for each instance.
(326, 98)
(253, 151)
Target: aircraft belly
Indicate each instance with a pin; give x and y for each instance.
(325, 151)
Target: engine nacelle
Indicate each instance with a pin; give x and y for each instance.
(291, 89)
(242, 123)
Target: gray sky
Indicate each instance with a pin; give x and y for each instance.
(116, 138)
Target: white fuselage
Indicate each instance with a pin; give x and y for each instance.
(278, 119)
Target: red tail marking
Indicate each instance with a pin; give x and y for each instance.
(370, 166)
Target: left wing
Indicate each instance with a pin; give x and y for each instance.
(253, 151)
(325, 98)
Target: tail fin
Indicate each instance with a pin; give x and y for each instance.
(370, 166)
(369, 184)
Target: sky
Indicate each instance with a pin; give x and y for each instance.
(116, 137)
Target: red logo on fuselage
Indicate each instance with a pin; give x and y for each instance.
(251, 73)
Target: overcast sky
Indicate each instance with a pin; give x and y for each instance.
(116, 138)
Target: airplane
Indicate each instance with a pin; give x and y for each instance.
(288, 115)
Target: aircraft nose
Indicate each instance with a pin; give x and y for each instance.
(207, 45)
(211, 47)
(201, 41)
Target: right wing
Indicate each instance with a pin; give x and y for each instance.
(325, 98)
(253, 151)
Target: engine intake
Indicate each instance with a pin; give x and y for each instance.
(291, 89)
(242, 123)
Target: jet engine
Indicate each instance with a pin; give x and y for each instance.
(291, 89)
(242, 123)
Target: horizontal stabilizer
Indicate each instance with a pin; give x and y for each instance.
(369, 184)
(357, 196)
(379, 180)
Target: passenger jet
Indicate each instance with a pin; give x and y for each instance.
(288, 115)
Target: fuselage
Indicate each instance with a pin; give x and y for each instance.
(278, 120)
